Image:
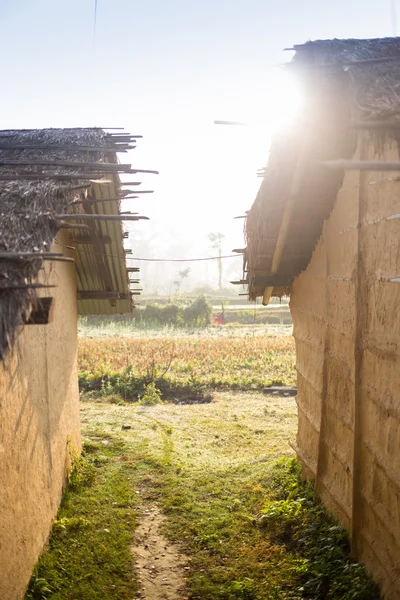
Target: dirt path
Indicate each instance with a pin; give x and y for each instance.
(160, 564)
(201, 480)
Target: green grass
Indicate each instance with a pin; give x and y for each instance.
(88, 555)
(250, 528)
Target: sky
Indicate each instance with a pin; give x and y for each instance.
(167, 70)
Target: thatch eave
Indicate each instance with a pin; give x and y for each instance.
(47, 174)
(346, 83)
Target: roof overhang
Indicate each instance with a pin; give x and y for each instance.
(350, 86)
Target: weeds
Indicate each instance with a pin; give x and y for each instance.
(151, 396)
(299, 520)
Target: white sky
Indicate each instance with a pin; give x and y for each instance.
(167, 70)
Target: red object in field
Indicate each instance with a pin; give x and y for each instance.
(219, 319)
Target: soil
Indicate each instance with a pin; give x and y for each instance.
(160, 564)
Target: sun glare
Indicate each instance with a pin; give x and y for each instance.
(282, 104)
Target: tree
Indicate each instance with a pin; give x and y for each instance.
(182, 275)
(216, 242)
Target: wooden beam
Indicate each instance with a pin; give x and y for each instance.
(42, 312)
(289, 203)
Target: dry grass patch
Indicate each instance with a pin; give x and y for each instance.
(177, 365)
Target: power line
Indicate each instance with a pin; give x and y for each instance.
(95, 21)
(167, 259)
(183, 259)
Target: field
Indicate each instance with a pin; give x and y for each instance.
(187, 487)
(183, 362)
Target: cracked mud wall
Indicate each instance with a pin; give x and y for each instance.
(39, 410)
(346, 315)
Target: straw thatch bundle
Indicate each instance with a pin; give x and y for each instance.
(370, 70)
(347, 84)
(28, 206)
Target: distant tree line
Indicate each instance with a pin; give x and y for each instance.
(196, 314)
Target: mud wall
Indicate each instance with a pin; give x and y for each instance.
(346, 316)
(39, 410)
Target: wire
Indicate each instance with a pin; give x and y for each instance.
(182, 259)
(167, 259)
(95, 21)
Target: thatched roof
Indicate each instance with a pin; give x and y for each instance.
(349, 85)
(46, 177)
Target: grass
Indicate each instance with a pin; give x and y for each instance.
(223, 474)
(88, 555)
(184, 365)
(250, 528)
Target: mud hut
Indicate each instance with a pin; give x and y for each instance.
(61, 253)
(325, 228)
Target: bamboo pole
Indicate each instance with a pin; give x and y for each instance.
(139, 192)
(93, 200)
(56, 176)
(50, 147)
(272, 280)
(87, 217)
(287, 214)
(4, 286)
(73, 226)
(69, 163)
(145, 171)
(41, 255)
